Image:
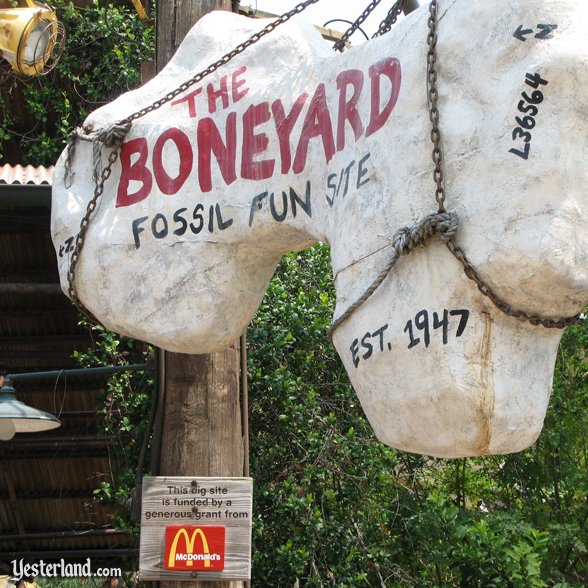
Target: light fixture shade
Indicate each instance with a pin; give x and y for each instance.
(31, 38)
(18, 417)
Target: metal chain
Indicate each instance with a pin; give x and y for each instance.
(390, 19)
(79, 242)
(112, 137)
(341, 43)
(220, 62)
(433, 98)
(441, 222)
(469, 270)
(115, 141)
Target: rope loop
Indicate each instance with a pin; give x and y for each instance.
(408, 238)
(404, 241)
(70, 151)
(111, 136)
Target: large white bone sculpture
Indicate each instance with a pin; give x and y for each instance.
(290, 143)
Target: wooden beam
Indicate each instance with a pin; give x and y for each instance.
(30, 288)
(201, 432)
(327, 33)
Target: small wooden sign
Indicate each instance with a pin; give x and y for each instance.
(196, 528)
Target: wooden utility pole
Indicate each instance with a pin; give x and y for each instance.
(202, 429)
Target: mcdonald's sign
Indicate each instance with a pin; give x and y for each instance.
(189, 548)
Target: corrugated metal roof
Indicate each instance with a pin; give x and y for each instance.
(17, 174)
(48, 509)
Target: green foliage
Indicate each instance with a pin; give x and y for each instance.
(333, 507)
(105, 45)
(125, 413)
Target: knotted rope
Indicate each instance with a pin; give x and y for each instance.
(404, 241)
(407, 238)
(111, 136)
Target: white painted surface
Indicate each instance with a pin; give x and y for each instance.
(523, 222)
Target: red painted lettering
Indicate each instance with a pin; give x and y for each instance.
(236, 84)
(389, 67)
(166, 183)
(317, 123)
(191, 100)
(214, 95)
(284, 125)
(255, 143)
(348, 107)
(136, 171)
(209, 142)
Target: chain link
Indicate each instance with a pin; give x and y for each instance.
(384, 27)
(341, 43)
(470, 271)
(442, 216)
(433, 98)
(390, 19)
(79, 241)
(254, 38)
(437, 156)
(112, 137)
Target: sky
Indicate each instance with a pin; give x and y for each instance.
(326, 10)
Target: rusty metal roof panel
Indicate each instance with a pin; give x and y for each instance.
(18, 174)
(47, 480)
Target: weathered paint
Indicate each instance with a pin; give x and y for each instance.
(290, 143)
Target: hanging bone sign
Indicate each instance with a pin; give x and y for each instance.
(290, 143)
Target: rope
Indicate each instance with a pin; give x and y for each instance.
(445, 223)
(110, 136)
(113, 136)
(404, 241)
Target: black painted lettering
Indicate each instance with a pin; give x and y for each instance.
(354, 352)
(339, 183)
(380, 333)
(137, 229)
(367, 345)
(222, 224)
(362, 171)
(304, 204)
(333, 187)
(178, 218)
(463, 321)
(256, 204)
(211, 219)
(440, 321)
(413, 341)
(197, 216)
(421, 322)
(282, 215)
(546, 31)
(528, 106)
(161, 233)
(444, 323)
(535, 80)
(347, 170)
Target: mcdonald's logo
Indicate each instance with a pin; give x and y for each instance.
(194, 548)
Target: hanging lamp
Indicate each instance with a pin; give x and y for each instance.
(31, 37)
(18, 417)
